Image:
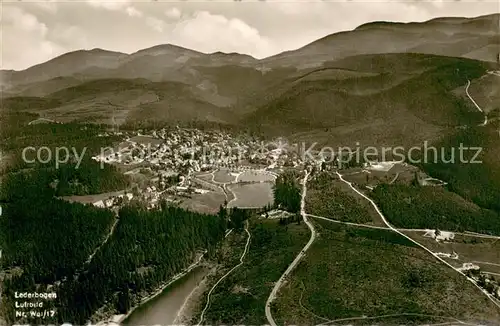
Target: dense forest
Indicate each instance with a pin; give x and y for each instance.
(478, 182)
(45, 239)
(49, 244)
(147, 248)
(287, 191)
(50, 238)
(80, 174)
(325, 198)
(433, 208)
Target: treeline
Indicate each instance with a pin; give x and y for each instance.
(324, 198)
(237, 217)
(44, 240)
(478, 182)
(50, 238)
(147, 248)
(287, 191)
(80, 174)
(433, 208)
(89, 178)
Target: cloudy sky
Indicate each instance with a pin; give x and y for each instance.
(36, 31)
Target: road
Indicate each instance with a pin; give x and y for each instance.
(349, 223)
(466, 233)
(297, 259)
(395, 178)
(207, 305)
(496, 73)
(39, 119)
(490, 297)
(476, 105)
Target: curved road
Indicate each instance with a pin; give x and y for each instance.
(415, 242)
(476, 105)
(297, 259)
(207, 305)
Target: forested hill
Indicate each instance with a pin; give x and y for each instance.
(46, 242)
(146, 249)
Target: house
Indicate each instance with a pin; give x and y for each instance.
(99, 203)
(469, 266)
(109, 202)
(200, 191)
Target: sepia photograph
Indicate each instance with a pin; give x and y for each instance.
(250, 162)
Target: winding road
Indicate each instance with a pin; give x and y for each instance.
(475, 104)
(490, 297)
(207, 305)
(297, 259)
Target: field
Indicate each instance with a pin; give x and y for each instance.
(251, 195)
(241, 297)
(329, 197)
(223, 176)
(204, 176)
(229, 176)
(208, 203)
(354, 272)
(398, 174)
(90, 199)
(484, 252)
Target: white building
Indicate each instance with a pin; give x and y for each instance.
(99, 203)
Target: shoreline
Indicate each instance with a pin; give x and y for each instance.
(118, 319)
(188, 309)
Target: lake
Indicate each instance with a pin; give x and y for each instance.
(251, 195)
(163, 309)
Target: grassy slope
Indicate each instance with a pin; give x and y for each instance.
(241, 297)
(422, 96)
(135, 99)
(353, 272)
(325, 198)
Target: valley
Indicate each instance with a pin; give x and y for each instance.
(354, 180)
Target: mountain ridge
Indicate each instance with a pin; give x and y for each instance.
(160, 48)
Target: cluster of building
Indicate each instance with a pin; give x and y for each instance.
(172, 158)
(113, 201)
(186, 151)
(485, 280)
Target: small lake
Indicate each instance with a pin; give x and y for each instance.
(253, 195)
(163, 309)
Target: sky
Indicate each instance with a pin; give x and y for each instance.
(33, 32)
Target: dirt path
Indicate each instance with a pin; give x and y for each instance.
(113, 227)
(490, 297)
(297, 259)
(225, 275)
(475, 104)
